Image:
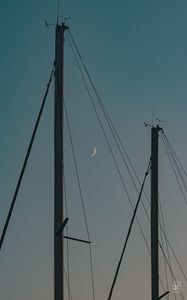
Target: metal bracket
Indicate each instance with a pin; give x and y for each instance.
(78, 240)
(59, 232)
(163, 295)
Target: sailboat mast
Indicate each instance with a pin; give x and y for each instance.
(58, 163)
(154, 214)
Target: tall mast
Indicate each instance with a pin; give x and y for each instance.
(58, 162)
(154, 214)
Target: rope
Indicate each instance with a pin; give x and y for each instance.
(26, 160)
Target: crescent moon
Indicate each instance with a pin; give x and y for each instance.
(94, 150)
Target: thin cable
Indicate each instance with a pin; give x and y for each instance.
(26, 160)
(175, 154)
(175, 161)
(181, 294)
(128, 234)
(81, 72)
(77, 172)
(92, 273)
(58, 12)
(108, 119)
(108, 144)
(67, 233)
(178, 263)
(162, 243)
(115, 131)
(81, 197)
(174, 170)
(167, 151)
(176, 164)
(166, 242)
(140, 228)
(69, 291)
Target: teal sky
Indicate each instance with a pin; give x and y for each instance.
(136, 52)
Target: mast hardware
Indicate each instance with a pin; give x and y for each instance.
(78, 240)
(163, 295)
(59, 232)
(64, 26)
(48, 24)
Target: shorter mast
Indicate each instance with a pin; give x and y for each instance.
(154, 214)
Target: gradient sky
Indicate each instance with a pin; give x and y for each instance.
(136, 52)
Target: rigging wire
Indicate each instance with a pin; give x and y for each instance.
(129, 231)
(181, 294)
(175, 159)
(81, 197)
(177, 167)
(105, 114)
(57, 13)
(169, 266)
(163, 232)
(109, 122)
(115, 131)
(139, 225)
(167, 259)
(67, 274)
(161, 228)
(69, 291)
(67, 234)
(107, 141)
(173, 167)
(162, 243)
(26, 159)
(164, 138)
(177, 261)
(108, 119)
(167, 151)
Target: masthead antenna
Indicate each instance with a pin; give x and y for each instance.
(153, 115)
(58, 12)
(48, 24)
(160, 121)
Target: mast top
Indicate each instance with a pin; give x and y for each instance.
(64, 27)
(157, 127)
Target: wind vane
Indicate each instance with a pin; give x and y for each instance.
(48, 24)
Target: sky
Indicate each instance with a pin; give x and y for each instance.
(136, 53)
